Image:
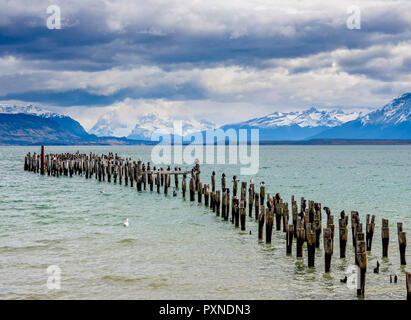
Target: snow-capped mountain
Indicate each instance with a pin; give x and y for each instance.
(308, 118)
(65, 122)
(106, 127)
(145, 125)
(297, 125)
(153, 123)
(393, 121)
(29, 109)
(394, 113)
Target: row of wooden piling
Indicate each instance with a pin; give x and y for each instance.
(304, 224)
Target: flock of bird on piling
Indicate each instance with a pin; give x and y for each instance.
(305, 225)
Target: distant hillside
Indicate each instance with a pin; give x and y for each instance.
(33, 126)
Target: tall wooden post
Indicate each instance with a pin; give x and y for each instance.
(385, 236)
(43, 161)
(328, 248)
(402, 243)
(261, 218)
(269, 224)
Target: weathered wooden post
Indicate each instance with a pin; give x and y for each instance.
(223, 182)
(235, 186)
(402, 243)
(408, 284)
(289, 235)
(343, 231)
(317, 224)
(217, 202)
(262, 193)
(43, 161)
(176, 178)
(369, 231)
(206, 194)
(285, 216)
(385, 236)
(192, 189)
(200, 192)
(261, 218)
(184, 185)
(224, 204)
(139, 173)
(330, 225)
(311, 244)
(278, 207)
(212, 201)
(300, 237)
(250, 198)
(213, 181)
(132, 168)
(354, 219)
(166, 182)
(269, 224)
(243, 215)
(236, 211)
(151, 180)
(158, 181)
(244, 193)
(328, 248)
(361, 257)
(257, 205)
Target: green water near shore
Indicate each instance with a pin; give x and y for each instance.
(175, 249)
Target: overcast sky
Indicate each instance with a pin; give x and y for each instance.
(217, 60)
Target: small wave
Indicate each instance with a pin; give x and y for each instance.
(128, 240)
(113, 278)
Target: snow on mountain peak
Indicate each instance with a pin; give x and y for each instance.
(28, 109)
(393, 113)
(308, 118)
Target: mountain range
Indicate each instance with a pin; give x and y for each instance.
(33, 125)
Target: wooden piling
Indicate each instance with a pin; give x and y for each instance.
(317, 224)
(300, 237)
(402, 243)
(192, 189)
(262, 193)
(328, 248)
(236, 208)
(289, 235)
(200, 192)
(213, 181)
(370, 226)
(250, 198)
(385, 236)
(408, 285)
(269, 224)
(43, 161)
(278, 208)
(218, 202)
(311, 232)
(361, 257)
(343, 231)
(243, 215)
(261, 219)
(206, 194)
(257, 205)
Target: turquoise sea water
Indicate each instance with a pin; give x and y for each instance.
(175, 249)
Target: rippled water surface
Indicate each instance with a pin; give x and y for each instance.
(175, 249)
